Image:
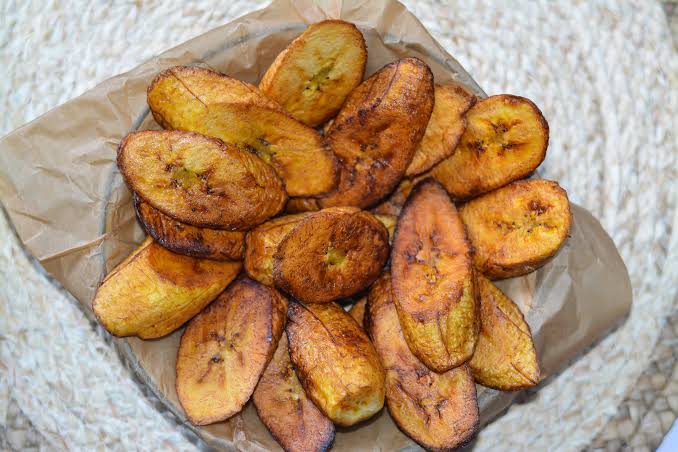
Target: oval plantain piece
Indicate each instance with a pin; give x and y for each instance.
(312, 77)
(154, 291)
(377, 130)
(262, 243)
(505, 140)
(433, 279)
(437, 410)
(213, 104)
(199, 180)
(190, 240)
(444, 129)
(505, 358)
(335, 362)
(516, 229)
(285, 409)
(226, 348)
(331, 254)
(357, 311)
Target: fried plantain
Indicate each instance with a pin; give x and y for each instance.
(226, 348)
(505, 140)
(444, 129)
(437, 410)
(190, 240)
(433, 280)
(335, 362)
(154, 291)
(285, 409)
(516, 229)
(262, 243)
(331, 254)
(357, 311)
(377, 130)
(312, 77)
(505, 358)
(199, 180)
(199, 100)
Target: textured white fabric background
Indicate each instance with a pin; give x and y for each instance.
(604, 73)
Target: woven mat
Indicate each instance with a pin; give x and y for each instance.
(605, 77)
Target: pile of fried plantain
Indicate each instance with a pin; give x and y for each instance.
(272, 180)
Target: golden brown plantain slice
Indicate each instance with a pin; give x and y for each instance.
(154, 291)
(200, 100)
(377, 130)
(199, 180)
(516, 229)
(190, 240)
(262, 243)
(357, 311)
(438, 411)
(331, 254)
(335, 362)
(433, 280)
(226, 348)
(285, 409)
(313, 75)
(505, 358)
(444, 129)
(299, 205)
(505, 140)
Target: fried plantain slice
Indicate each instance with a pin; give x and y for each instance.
(298, 205)
(335, 362)
(331, 254)
(516, 229)
(357, 311)
(389, 222)
(433, 280)
(505, 358)
(505, 140)
(285, 409)
(444, 129)
(154, 291)
(262, 243)
(393, 205)
(190, 240)
(199, 180)
(437, 410)
(312, 77)
(226, 348)
(200, 100)
(377, 130)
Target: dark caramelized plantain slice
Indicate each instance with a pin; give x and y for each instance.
(226, 348)
(190, 240)
(505, 140)
(331, 254)
(285, 409)
(154, 291)
(437, 410)
(313, 75)
(262, 243)
(213, 104)
(505, 358)
(433, 280)
(335, 362)
(199, 180)
(377, 130)
(444, 129)
(516, 229)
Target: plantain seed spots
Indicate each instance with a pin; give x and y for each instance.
(216, 359)
(263, 141)
(537, 207)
